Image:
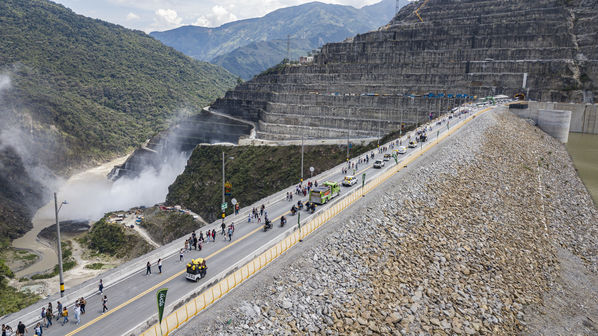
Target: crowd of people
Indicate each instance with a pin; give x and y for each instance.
(59, 315)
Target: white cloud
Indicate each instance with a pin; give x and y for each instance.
(132, 16)
(202, 21)
(168, 18)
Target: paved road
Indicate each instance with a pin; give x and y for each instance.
(132, 301)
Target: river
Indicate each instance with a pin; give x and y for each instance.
(72, 192)
(584, 151)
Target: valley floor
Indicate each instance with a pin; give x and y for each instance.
(493, 233)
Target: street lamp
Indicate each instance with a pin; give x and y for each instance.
(223, 181)
(301, 158)
(56, 210)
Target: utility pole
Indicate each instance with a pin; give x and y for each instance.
(348, 135)
(379, 123)
(223, 209)
(56, 209)
(223, 205)
(302, 157)
(288, 48)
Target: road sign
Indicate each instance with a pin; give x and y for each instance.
(233, 201)
(224, 206)
(311, 169)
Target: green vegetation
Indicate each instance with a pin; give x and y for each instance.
(15, 187)
(95, 266)
(255, 172)
(165, 227)
(103, 89)
(88, 91)
(11, 300)
(68, 262)
(114, 240)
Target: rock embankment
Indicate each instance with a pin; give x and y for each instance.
(478, 238)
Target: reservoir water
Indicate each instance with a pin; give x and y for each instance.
(584, 151)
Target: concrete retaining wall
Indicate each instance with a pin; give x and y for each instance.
(584, 117)
(555, 123)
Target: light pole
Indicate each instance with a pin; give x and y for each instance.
(301, 158)
(348, 135)
(223, 182)
(56, 210)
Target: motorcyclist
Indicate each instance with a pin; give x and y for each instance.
(293, 210)
(283, 221)
(299, 204)
(267, 225)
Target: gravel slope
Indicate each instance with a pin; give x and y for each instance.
(493, 233)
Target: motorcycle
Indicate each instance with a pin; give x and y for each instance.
(293, 210)
(267, 225)
(299, 205)
(283, 221)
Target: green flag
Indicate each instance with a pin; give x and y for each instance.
(161, 302)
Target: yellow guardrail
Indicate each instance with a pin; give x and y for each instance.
(212, 294)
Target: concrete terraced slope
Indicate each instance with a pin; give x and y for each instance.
(468, 47)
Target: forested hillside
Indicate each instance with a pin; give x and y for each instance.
(75, 91)
(102, 87)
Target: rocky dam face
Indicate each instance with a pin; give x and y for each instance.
(459, 49)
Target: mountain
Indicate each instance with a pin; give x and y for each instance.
(236, 45)
(75, 91)
(249, 60)
(425, 63)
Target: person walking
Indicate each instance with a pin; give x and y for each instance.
(186, 244)
(104, 304)
(160, 266)
(77, 311)
(58, 310)
(214, 235)
(201, 238)
(43, 314)
(222, 226)
(21, 329)
(148, 268)
(38, 329)
(181, 255)
(230, 233)
(101, 287)
(82, 304)
(49, 315)
(65, 315)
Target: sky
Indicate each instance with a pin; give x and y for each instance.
(159, 15)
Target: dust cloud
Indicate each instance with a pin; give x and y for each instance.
(91, 194)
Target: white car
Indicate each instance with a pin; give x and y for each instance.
(402, 150)
(378, 164)
(349, 180)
